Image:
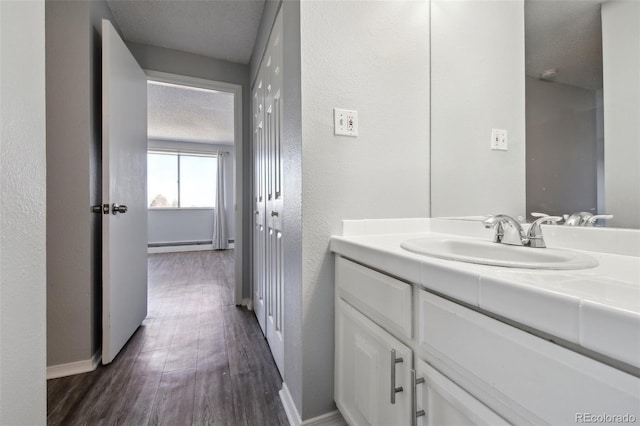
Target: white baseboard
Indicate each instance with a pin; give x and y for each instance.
(179, 249)
(248, 302)
(77, 367)
(289, 406)
(333, 418)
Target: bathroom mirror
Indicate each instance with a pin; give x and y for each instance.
(562, 78)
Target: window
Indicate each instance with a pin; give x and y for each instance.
(181, 180)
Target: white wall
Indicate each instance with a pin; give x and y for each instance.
(180, 225)
(73, 179)
(477, 77)
(562, 148)
(22, 213)
(184, 225)
(621, 79)
(70, 331)
(372, 57)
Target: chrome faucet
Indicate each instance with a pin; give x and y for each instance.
(577, 219)
(509, 231)
(585, 219)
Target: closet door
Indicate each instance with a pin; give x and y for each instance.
(259, 197)
(275, 235)
(268, 235)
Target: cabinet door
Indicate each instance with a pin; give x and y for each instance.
(364, 371)
(445, 403)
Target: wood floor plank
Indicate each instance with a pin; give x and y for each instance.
(64, 395)
(248, 349)
(174, 400)
(184, 346)
(106, 389)
(159, 334)
(256, 400)
(197, 358)
(213, 403)
(139, 393)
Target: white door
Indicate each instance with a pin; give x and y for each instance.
(259, 196)
(268, 232)
(124, 186)
(275, 235)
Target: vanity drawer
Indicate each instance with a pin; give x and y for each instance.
(522, 371)
(386, 300)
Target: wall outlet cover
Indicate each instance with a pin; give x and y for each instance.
(499, 140)
(345, 122)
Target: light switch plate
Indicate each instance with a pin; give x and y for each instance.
(345, 122)
(499, 140)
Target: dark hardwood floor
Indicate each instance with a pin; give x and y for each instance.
(196, 360)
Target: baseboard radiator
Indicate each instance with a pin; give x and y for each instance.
(184, 243)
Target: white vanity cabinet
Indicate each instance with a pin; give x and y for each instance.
(378, 379)
(459, 365)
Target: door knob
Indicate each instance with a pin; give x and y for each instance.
(116, 208)
(100, 208)
(274, 213)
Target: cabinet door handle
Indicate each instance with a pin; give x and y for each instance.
(394, 389)
(415, 413)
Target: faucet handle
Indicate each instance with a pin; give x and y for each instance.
(591, 221)
(547, 219)
(535, 231)
(537, 214)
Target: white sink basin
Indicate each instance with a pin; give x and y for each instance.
(495, 254)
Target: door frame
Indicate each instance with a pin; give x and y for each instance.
(240, 226)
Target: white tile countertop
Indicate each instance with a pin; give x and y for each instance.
(597, 309)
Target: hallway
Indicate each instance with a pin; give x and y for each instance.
(197, 358)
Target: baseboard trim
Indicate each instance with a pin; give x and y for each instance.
(289, 406)
(333, 418)
(73, 368)
(180, 249)
(248, 302)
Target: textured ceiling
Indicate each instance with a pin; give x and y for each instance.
(182, 113)
(565, 35)
(222, 29)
